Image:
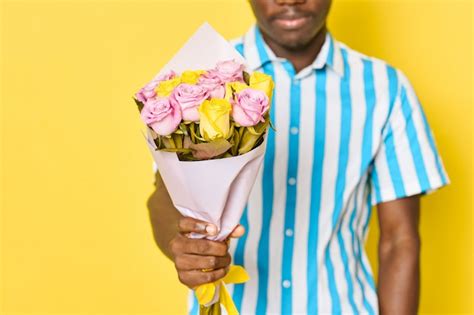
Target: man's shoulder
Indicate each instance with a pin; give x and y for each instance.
(357, 56)
(377, 64)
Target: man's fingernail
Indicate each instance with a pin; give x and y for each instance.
(201, 227)
(211, 229)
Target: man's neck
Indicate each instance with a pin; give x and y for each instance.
(302, 57)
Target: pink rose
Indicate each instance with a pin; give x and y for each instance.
(213, 83)
(249, 107)
(148, 91)
(229, 71)
(189, 97)
(161, 116)
(165, 76)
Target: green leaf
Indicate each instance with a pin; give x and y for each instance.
(168, 142)
(159, 143)
(178, 140)
(182, 150)
(183, 128)
(187, 157)
(271, 125)
(246, 77)
(208, 150)
(139, 104)
(248, 141)
(236, 141)
(195, 133)
(227, 154)
(231, 130)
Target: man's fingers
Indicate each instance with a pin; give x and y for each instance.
(194, 278)
(188, 262)
(239, 231)
(203, 247)
(189, 225)
(183, 245)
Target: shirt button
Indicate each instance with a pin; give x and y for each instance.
(294, 130)
(289, 232)
(292, 181)
(286, 284)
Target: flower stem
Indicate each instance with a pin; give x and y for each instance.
(178, 141)
(171, 141)
(191, 131)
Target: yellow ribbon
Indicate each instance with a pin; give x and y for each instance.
(205, 292)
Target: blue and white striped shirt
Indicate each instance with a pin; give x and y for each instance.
(350, 133)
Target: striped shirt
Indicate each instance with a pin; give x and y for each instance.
(350, 133)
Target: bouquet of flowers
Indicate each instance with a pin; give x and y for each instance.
(207, 120)
(205, 114)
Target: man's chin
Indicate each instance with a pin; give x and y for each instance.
(293, 42)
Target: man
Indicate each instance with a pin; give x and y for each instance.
(350, 134)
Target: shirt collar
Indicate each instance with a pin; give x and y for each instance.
(258, 53)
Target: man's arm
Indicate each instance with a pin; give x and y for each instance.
(164, 217)
(399, 256)
(190, 256)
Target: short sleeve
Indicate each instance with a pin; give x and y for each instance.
(407, 161)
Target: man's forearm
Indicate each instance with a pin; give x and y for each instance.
(164, 216)
(399, 276)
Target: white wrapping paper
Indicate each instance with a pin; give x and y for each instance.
(216, 190)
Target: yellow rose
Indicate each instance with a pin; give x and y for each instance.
(263, 82)
(236, 86)
(191, 77)
(165, 88)
(214, 118)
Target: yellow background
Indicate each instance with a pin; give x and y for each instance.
(76, 171)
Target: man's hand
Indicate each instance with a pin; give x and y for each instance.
(192, 256)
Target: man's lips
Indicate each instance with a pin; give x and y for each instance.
(291, 23)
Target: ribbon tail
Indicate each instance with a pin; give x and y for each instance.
(205, 293)
(226, 301)
(236, 274)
